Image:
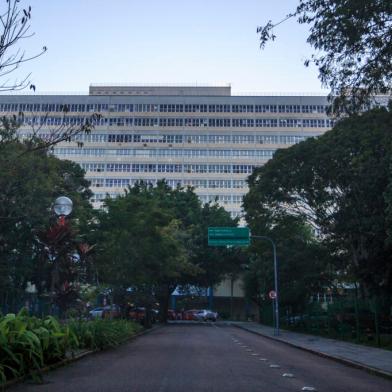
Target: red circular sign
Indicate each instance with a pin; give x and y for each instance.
(272, 294)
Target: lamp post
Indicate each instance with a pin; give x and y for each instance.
(62, 207)
(30, 290)
(276, 299)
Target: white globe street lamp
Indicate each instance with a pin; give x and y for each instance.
(62, 207)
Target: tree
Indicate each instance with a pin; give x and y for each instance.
(29, 183)
(61, 264)
(29, 178)
(194, 219)
(14, 29)
(340, 184)
(352, 45)
(154, 239)
(139, 245)
(214, 263)
(303, 262)
(209, 265)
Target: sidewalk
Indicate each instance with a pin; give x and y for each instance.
(374, 360)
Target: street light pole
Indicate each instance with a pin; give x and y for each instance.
(62, 207)
(276, 299)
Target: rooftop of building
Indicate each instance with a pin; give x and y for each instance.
(148, 90)
(173, 90)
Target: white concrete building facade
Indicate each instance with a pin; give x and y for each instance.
(198, 136)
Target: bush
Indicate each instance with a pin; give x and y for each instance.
(28, 343)
(100, 334)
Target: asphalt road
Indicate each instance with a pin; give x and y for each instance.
(206, 357)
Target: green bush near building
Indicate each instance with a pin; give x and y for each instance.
(28, 344)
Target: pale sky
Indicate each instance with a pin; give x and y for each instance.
(167, 42)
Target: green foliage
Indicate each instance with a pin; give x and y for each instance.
(303, 262)
(343, 317)
(28, 344)
(101, 334)
(340, 184)
(353, 49)
(154, 239)
(29, 182)
(137, 240)
(156, 235)
(214, 263)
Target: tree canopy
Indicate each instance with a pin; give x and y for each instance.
(154, 239)
(340, 184)
(29, 183)
(353, 49)
(303, 262)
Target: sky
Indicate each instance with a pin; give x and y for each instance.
(166, 42)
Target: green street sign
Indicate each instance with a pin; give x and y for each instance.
(228, 236)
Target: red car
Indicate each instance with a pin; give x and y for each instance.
(111, 311)
(137, 314)
(189, 314)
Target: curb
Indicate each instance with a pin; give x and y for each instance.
(76, 358)
(46, 369)
(357, 365)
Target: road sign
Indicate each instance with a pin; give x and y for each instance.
(228, 236)
(272, 294)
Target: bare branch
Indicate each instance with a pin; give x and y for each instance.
(15, 26)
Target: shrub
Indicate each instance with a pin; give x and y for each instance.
(29, 343)
(100, 334)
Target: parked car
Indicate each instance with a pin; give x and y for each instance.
(139, 314)
(111, 311)
(189, 314)
(96, 313)
(205, 315)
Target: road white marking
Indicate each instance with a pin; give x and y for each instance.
(274, 366)
(263, 359)
(288, 375)
(255, 354)
(308, 389)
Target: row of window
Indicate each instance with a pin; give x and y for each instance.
(166, 168)
(178, 122)
(180, 139)
(188, 153)
(196, 183)
(163, 108)
(222, 199)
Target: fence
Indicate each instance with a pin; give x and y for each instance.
(343, 318)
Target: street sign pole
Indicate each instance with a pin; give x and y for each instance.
(276, 300)
(240, 236)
